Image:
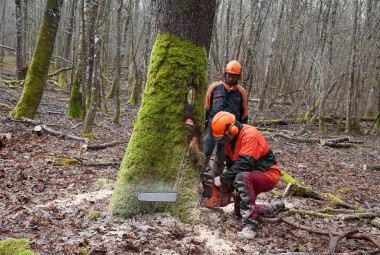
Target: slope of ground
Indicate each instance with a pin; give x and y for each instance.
(62, 207)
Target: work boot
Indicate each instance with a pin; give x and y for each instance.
(277, 206)
(248, 232)
(237, 207)
(268, 210)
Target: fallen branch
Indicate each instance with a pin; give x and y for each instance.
(336, 145)
(65, 160)
(346, 205)
(324, 214)
(298, 139)
(346, 211)
(49, 75)
(335, 240)
(296, 189)
(116, 163)
(335, 140)
(374, 252)
(101, 146)
(265, 123)
(52, 131)
(63, 135)
(52, 112)
(371, 167)
(59, 71)
(11, 81)
(355, 235)
(358, 216)
(7, 47)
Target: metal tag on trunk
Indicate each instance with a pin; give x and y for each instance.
(169, 197)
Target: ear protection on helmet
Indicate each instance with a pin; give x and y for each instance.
(232, 129)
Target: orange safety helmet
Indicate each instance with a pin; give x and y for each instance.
(222, 123)
(233, 67)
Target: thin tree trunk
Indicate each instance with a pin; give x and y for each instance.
(19, 57)
(227, 33)
(254, 37)
(35, 81)
(351, 79)
(92, 84)
(117, 63)
(25, 29)
(67, 44)
(105, 54)
(2, 21)
(268, 66)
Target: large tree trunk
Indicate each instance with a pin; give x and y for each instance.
(158, 157)
(35, 81)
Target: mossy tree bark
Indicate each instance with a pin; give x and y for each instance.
(35, 80)
(75, 109)
(117, 63)
(62, 80)
(158, 157)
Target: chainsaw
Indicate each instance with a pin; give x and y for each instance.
(214, 196)
(211, 197)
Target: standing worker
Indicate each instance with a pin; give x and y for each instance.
(251, 169)
(229, 96)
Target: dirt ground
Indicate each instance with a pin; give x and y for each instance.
(62, 208)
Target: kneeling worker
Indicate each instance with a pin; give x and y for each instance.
(251, 169)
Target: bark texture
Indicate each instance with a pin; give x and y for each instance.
(162, 155)
(158, 156)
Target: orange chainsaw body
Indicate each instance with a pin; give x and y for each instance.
(214, 196)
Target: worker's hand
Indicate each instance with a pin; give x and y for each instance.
(217, 181)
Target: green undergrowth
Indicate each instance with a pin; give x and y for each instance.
(11, 246)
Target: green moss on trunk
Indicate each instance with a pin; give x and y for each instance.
(75, 103)
(35, 80)
(62, 79)
(155, 158)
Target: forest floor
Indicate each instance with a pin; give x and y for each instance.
(62, 207)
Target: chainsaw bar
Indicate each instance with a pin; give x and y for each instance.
(169, 197)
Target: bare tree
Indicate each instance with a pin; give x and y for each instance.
(117, 63)
(351, 78)
(270, 56)
(19, 57)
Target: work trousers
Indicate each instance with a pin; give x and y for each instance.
(248, 186)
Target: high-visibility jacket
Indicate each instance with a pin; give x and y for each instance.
(249, 152)
(222, 97)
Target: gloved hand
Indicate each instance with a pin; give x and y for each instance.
(245, 120)
(217, 181)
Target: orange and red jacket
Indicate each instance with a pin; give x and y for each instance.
(222, 97)
(249, 152)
